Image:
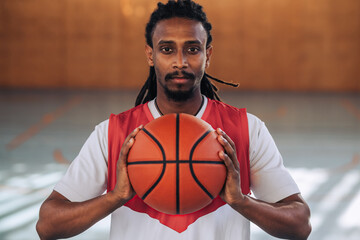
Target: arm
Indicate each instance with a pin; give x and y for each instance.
(288, 218)
(61, 218)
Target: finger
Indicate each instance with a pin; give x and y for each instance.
(227, 161)
(133, 134)
(229, 150)
(128, 143)
(222, 133)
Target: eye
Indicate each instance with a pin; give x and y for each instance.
(193, 50)
(166, 50)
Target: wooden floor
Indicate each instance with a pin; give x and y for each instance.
(317, 134)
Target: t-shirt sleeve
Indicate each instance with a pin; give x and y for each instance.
(270, 180)
(86, 176)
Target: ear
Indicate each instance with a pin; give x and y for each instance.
(149, 55)
(208, 56)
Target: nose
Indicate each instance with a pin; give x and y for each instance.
(180, 60)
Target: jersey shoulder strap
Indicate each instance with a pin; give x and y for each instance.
(120, 126)
(233, 121)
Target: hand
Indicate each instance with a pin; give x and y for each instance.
(123, 189)
(288, 218)
(231, 192)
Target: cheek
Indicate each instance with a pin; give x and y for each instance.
(199, 66)
(199, 61)
(161, 64)
(160, 74)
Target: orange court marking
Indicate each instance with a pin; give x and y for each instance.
(59, 157)
(351, 108)
(348, 166)
(282, 111)
(45, 120)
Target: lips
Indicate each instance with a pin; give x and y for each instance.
(180, 80)
(179, 77)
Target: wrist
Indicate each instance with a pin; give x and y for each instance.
(115, 200)
(241, 203)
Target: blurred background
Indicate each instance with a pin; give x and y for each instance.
(65, 65)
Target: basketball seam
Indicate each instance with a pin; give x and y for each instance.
(164, 164)
(177, 164)
(174, 161)
(191, 164)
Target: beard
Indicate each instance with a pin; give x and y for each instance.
(179, 95)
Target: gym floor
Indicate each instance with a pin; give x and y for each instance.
(318, 135)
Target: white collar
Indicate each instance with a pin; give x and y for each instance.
(155, 113)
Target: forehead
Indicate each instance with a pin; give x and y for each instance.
(178, 30)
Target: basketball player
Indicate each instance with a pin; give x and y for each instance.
(178, 51)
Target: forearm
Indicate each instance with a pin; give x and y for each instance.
(60, 218)
(288, 220)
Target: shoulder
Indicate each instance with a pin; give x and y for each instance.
(101, 129)
(224, 106)
(130, 111)
(255, 123)
(256, 127)
(225, 112)
(140, 114)
(102, 126)
(259, 136)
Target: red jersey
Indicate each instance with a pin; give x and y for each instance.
(219, 115)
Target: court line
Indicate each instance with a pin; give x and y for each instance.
(333, 198)
(282, 111)
(347, 166)
(351, 108)
(59, 157)
(44, 121)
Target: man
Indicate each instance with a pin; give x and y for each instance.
(178, 51)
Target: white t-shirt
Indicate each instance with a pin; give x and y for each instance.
(86, 178)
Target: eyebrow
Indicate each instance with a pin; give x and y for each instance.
(193, 42)
(172, 42)
(165, 42)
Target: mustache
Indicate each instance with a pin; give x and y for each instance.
(179, 73)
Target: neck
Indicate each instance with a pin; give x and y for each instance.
(190, 106)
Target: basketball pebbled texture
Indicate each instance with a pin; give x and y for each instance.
(174, 164)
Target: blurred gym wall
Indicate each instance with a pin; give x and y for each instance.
(264, 45)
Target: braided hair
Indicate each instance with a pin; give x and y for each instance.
(184, 9)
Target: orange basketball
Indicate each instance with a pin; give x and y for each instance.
(174, 164)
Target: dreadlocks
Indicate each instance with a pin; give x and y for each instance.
(184, 9)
